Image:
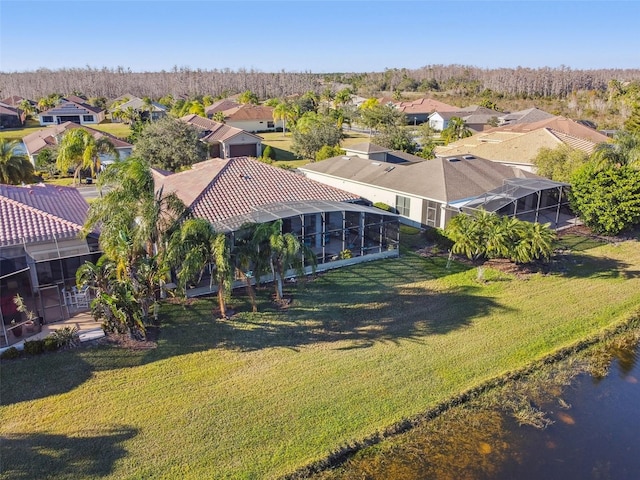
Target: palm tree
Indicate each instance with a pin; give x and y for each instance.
(78, 149)
(194, 246)
(281, 112)
(456, 130)
(535, 241)
(624, 150)
(15, 167)
(283, 250)
(219, 117)
(27, 107)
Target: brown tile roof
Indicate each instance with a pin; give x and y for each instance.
(249, 112)
(529, 115)
(14, 100)
(218, 132)
(220, 189)
(34, 142)
(37, 213)
(424, 105)
(220, 106)
(438, 179)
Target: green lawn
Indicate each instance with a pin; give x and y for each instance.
(263, 394)
(281, 144)
(120, 130)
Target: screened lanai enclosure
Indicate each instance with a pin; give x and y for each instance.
(338, 233)
(39, 273)
(528, 199)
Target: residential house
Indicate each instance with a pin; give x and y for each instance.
(11, 117)
(50, 137)
(76, 111)
(40, 249)
(252, 118)
(530, 115)
(430, 192)
(225, 141)
(220, 106)
(475, 117)
(418, 111)
(145, 111)
(518, 144)
(233, 192)
(15, 101)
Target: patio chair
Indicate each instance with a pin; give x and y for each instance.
(82, 298)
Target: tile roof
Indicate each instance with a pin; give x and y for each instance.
(34, 142)
(37, 213)
(249, 112)
(220, 106)
(15, 100)
(6, 109)
(218, 132)
(424, 105)
(439, 179)
(220, 189)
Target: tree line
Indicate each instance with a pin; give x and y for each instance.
(458, 79)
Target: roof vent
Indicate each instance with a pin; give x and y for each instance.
(345, 158)
(388, 169)
(469, 157)
(375, 163)
(453, 159)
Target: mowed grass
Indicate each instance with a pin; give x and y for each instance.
(263, 394)
(120, 130)
(281, 144)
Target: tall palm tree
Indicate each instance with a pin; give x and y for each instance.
(27, 107)
(281, 112)
(15, 167)
(78, 150)
(456, 130)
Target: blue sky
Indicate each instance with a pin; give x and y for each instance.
(326, 36)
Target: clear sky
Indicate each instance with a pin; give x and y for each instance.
(317, 36)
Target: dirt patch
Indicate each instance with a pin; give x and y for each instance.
(125, 340)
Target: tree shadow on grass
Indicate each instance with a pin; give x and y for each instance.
(87, 455)
(359, 317)
(575, 265)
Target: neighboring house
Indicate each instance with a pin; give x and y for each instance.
(252, 118)
(518, 144)
(418, 111)
(530, 115)
(225, 141)
(72, 111)
(50, 137)
(476, 118)
(40, 248)
(11, 117)
(220, 106)
(154, 111)
(431, 192)
(368, 150)
(230, 193)
(15, 101)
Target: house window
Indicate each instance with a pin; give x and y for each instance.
(87, 118)
(47, 119)
(270, 125)
(403, 205)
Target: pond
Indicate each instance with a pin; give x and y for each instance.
(591, 431)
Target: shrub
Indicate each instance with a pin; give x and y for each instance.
(50, 344)
(66, 337)
(269, 153)
(10, 353)
(34, 347)
(383, 206)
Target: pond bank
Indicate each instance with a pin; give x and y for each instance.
(518, 393)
